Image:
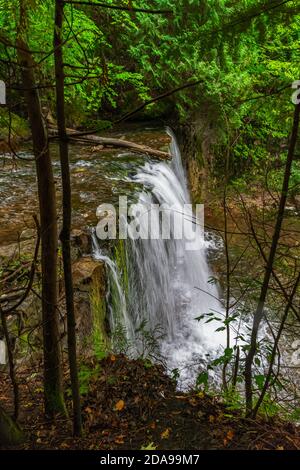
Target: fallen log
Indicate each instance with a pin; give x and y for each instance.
(113, 142)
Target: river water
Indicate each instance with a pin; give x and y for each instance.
(167, 286)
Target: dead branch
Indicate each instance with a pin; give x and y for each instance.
(110, 141)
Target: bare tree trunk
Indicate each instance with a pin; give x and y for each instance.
(228, 283)
(53, 390)
(67, 209)
(269, 266)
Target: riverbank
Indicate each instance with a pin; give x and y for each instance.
(133, 404)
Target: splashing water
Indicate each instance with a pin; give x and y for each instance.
(168, 285)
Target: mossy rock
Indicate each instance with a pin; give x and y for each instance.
(90, 291)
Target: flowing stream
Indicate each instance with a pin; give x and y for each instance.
(168, 285)
(159, 287)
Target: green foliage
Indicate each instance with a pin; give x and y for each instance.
(120, 342)
(115, 60)
(146, 345)
(95, 78)
(233, 399)
(10, 121)
(245, 56)
(150, 446)
(85, 375)
(101, 343)
(202, 380)
(148, 341)
(175, 375)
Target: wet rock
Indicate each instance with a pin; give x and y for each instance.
(28, 234)
(81, 243)
(51, 122)
(13, 250)
(96, 148)
(87, 271)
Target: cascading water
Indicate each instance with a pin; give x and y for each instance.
(168, 284)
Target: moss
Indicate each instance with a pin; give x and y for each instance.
(120, 256)
(100, 337)
(10, 432)
(19, 126)
(55, 402)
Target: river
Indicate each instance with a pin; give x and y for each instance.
(166, 286)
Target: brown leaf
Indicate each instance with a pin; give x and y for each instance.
(193, 402)
(165, 434)
(119, 405)
(230, 435)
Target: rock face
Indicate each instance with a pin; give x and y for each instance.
(196, 140)
(12, 250)
(81, 243)
(86, 271)
(90, 287)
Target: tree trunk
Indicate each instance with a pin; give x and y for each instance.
(258, 316)
(67, 208)
(10, 432)
(53, 390)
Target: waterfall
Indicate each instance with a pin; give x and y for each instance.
(169, 285)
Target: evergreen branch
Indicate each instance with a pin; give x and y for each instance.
(157, 98)
(267, 95)
(119, 7)
(251, 17)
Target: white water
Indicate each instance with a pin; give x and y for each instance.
(168, 285)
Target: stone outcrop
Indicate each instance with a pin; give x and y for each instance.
(90, 289)
(196, 139)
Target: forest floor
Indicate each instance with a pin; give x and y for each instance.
(131, 404)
